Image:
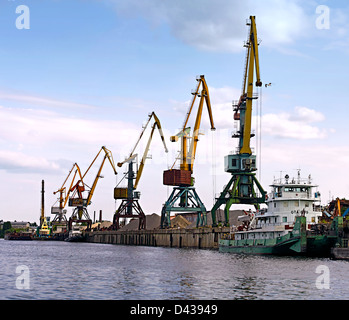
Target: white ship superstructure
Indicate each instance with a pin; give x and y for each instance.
(288, 199)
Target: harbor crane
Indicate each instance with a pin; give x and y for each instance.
(80, 213)
(130, 207)
(64, 195)
(181, 179)
(242, 164)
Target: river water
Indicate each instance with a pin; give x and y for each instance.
(61, 270)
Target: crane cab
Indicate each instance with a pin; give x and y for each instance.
(237, 163)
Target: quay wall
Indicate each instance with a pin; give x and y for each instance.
(201, 238)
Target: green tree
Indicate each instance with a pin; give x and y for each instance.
(5, 227)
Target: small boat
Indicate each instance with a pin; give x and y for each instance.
(75, 235)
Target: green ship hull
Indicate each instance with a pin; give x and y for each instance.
(296, 242)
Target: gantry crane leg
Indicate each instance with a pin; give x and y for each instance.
(243, 191)
(189, 201)
(80, 214)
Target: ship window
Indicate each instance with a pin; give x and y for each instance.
(306, 204)
(284, 219)
(274, 204)
(296, 204)
(285, 204)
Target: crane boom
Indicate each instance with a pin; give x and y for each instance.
(188, 156)
(108, 155)
(204, 95)
(141, 166)
(247, 95)
(63, 198)
(132, 156)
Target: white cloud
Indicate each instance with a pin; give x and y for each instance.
(220, 25)
(40, 127)
(42, 101)
(296, 126)
(30, 138)
(222, 110)
(19, 162)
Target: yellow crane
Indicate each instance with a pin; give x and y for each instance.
(130, 207)
(241, 187)
(182, 179)
(80, 213)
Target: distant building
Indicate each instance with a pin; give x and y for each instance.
(20, 224)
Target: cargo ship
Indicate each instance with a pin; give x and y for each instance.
(18, 236)
(289, 226)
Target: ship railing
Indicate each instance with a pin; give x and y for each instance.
(292, 181)
(292, 195)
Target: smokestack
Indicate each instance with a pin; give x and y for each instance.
(100, 215)
(42, 202)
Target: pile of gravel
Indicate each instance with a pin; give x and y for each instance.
(152, 222)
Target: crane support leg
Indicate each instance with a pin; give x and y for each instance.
(189, 202)
(129, 208)
(221, 200)
(80, 214)
(242, 192)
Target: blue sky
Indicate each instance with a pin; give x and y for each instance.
(87, 73)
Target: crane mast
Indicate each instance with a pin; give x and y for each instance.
(181, 179)
(242, 187)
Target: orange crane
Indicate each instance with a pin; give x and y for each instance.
(130, 207)
(181, 179)
(64, 194)
(77, 200)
